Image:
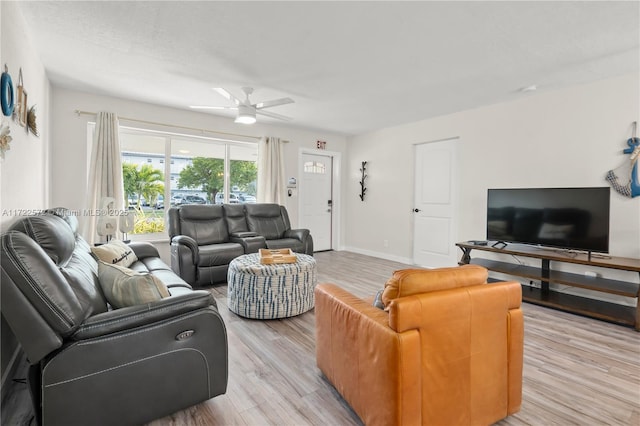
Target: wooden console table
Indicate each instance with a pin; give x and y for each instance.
(608, 311)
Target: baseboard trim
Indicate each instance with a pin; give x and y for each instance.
(386, 256)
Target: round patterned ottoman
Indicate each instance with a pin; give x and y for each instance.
(270, 291)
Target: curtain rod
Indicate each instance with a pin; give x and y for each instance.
(79, 113)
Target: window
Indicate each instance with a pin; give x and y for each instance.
(314, 167)
(162, 170)
(243, 174)
(199, 170)
(143, 182)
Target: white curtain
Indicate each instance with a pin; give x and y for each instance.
(105, 174)
(271, 179)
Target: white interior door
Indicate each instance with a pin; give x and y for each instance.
(434, 204)
(317, 199)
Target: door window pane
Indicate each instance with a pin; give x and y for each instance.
(315, 167)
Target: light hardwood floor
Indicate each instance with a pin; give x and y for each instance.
(577, 371)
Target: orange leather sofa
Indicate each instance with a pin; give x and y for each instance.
(446, 350)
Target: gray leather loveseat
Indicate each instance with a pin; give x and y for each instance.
(206, 238)
(92, 365)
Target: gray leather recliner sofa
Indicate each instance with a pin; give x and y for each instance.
(94, 366)
(206, 238)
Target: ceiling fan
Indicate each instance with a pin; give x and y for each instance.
(246, 110)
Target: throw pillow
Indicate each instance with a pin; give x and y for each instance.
(115, 252)
(377, 302)
(125, 287)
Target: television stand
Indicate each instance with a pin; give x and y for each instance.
(546, 296)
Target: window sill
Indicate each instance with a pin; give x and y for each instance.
(156, 237)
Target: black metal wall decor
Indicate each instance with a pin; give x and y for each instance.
(364, 176)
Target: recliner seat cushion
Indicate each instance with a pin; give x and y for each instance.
(219, 254)
(295, 245)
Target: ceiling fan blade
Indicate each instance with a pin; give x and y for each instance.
(275, 102)
(273, 115)
(227, 95)
(210, 107)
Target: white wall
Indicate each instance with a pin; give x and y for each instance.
(24, 171)
(70, 148)
(565, 138)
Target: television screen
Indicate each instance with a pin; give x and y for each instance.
(570, 218)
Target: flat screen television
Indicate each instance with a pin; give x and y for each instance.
(567, 218)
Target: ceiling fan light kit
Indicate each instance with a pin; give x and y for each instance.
(246, 115)
(246, 110)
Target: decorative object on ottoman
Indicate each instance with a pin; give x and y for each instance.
(270, 291)
(268, 256)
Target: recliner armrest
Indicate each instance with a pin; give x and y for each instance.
(348, 331)
(244, 234)
(143, 249)
(298, 234)
(250, 244)
(140, 315)
(189, 242)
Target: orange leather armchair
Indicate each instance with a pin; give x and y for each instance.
(447, 349)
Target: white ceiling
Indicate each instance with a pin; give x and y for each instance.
(351, 67)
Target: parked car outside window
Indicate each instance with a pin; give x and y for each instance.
(193, 199)
(160, 202)
(233, 198)
(133, 201)
(247, 198)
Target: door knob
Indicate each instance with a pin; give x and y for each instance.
(417, 210)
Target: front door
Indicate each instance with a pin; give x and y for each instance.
(434, 204)
(317, 199)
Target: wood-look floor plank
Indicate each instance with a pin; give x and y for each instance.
(577, 370)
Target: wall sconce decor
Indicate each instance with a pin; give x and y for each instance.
(364, 176)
